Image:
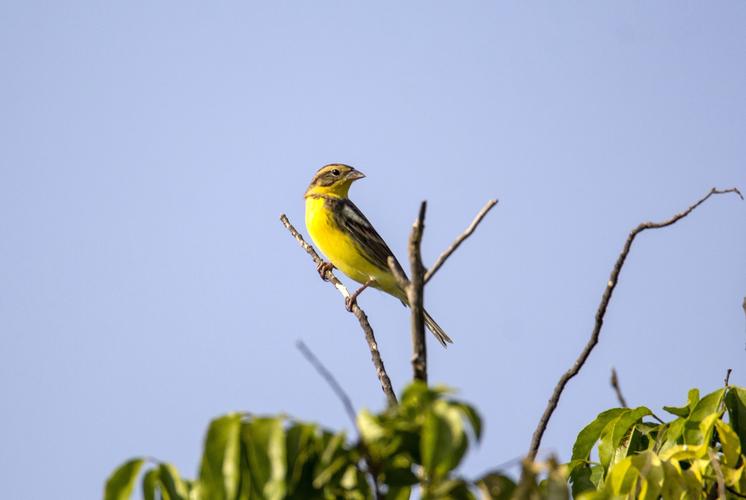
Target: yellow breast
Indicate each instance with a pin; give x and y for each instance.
(337, 245)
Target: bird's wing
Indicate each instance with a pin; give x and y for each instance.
(371, 245)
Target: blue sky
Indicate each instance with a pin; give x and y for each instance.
(146, 284)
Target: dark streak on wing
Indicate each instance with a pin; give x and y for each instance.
(351, 220)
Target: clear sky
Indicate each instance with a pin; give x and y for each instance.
(148, 148)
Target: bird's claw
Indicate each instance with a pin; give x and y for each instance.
(350, 302)
(322, 268)
(352, 299)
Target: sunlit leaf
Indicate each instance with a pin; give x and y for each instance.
(473, 418)
(729, 442)
(264, 439)
(120, 484)
(172, 483)
(703, 410)
(150, 483)
(300, 443)
(219, 471)
(443, 439)
(735, 401)
(591, 432)
(369, 426)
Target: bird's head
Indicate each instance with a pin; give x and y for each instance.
(333, 180)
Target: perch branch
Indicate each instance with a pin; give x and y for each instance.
(600, 313)
(329, 378)
(415, 297)
(457, 242)
(370, 338)
(617, 389)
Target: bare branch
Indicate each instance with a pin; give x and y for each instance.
(617, 389)
(727, 376)
(415, 297)
(329, 377)
(359, 313)
(457, 242)
(601, 312)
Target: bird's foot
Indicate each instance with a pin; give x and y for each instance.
(352, 299)
(323, 267)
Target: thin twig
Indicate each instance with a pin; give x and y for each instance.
(359, 314)
(600, 313)
(718, 473)
(457, 242)
(617, 389)
(415, 297)
(731, 490)
(727, 376)
(329, 377)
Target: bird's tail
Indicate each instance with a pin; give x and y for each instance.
(437, 330)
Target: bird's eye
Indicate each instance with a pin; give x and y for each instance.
(335, 172)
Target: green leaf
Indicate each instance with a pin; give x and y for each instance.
(674, 485)
(683, 411)
(400, 476)
(473, 418)
(300, 447)
(417, 394)
(443, 439)
(615, 437)
(729, 442)
(370, 427)
(264, 439)
(150, 483)
(705, 407)
(496, 486)
(591, 432)
(651, 474)
(451, 489)
(735, 401)
(622, 430)
(399, 493)
(219, 472)
(172, 482)
(120, 484)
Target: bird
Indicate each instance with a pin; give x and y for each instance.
(349, 241)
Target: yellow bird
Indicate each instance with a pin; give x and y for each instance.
(348, 239)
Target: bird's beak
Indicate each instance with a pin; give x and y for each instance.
(354, 175)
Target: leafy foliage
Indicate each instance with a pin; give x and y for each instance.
(622, 453)
(419, 442)
(695, 455)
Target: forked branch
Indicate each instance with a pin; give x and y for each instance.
(370, 338)
(601, 312)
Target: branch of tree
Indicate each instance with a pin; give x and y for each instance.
(329, 378)
(370, 338)
(601, 312)
(415, 292)
(718, 474)
(370, 466)
(460, 239)
(617, 389)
